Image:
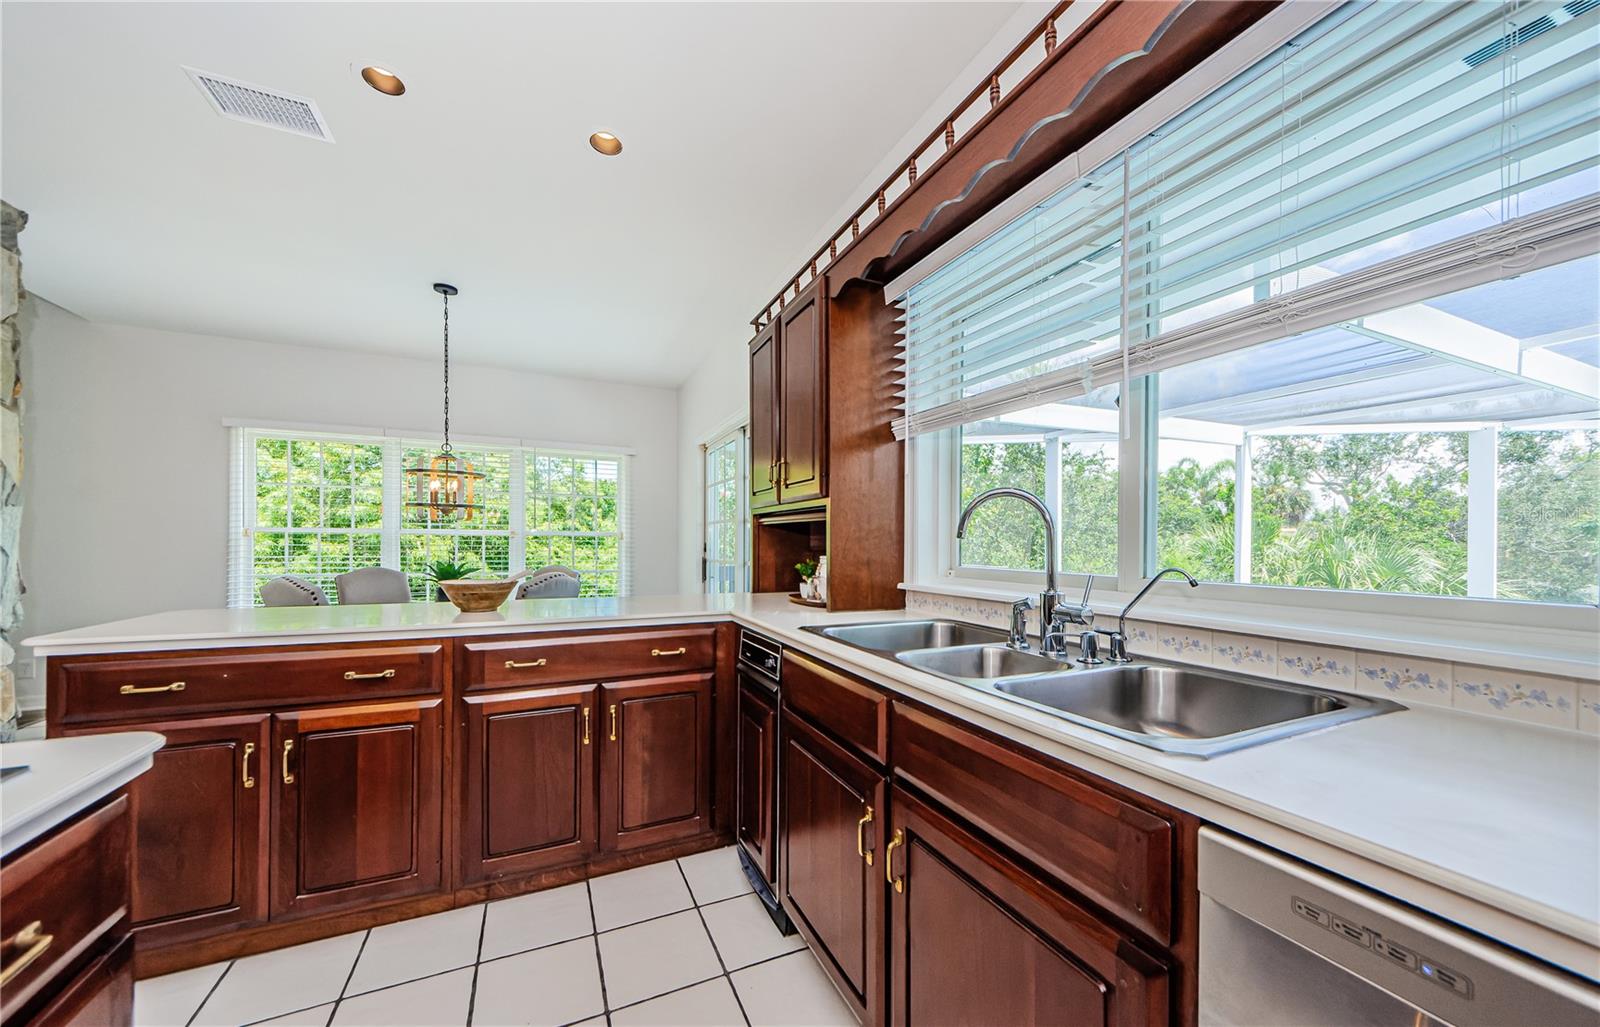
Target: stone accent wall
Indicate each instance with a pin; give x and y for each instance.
(12, 222)
(1558, 702)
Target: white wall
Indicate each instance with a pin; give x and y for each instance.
(717, 392)
(127, 459)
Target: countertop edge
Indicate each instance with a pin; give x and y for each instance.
(72, 797)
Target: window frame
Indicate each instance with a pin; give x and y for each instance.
(737, 434)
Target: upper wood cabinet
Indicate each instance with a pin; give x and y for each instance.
(764, 418)
(789, 403)
(357, 811)
(655, 770)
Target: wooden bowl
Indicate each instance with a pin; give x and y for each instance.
(478, 596)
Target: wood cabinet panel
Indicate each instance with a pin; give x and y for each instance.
(357, 816)
(101, 995)
(803, 396)
(764, 418)
(553, 659)
(755, 803)
(529, 780)
(1045, 960)
(832, 810)
(90, 689)
(1119, 855)
(70, 887)
(655, 773)
(850, 709)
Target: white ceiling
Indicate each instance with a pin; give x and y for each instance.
(746, 127)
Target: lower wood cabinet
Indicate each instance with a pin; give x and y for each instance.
(529, 781)
(832, 844)
(655, 766)
(357, 818)
(755, 798)
(976, 938)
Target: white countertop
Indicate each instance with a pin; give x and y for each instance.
(1493, 824)
(64, 777)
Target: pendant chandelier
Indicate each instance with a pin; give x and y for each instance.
(443, 485)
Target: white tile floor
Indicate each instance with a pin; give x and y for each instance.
(676, 943)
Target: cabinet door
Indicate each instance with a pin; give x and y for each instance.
(832, 812)
(1045, 959)
(764, 418)
(655, 770)
(528, 776)
(199, 818)
(357, 805)
(803, 397)
(756, 801)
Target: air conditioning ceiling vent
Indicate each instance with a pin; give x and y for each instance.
(258, 105)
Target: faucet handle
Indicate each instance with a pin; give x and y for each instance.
(1088, 586)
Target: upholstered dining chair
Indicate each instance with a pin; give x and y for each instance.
(289, 590)
(372, 585)
(552, 582)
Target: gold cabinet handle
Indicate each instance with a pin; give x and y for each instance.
(514, 665)
(888, 862)
(176, 686)
(351, 675)
(861, 845)
(288, 747)
(37, 942)
(670, 652)
(244, 765)
(586, 725)
(613, 722)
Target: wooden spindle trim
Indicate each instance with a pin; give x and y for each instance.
(949, 134)
(833, 248)
(994, 91)
(881, 201)
(855, 228)
(1050, 36)
(911, 170)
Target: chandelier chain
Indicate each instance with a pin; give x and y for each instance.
(446, 447)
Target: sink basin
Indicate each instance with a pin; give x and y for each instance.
(897, 636)
(970, 663)
(1177, 709)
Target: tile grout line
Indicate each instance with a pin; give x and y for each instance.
(477, 961)
(339, 999)
(209, 992)
(599, 963)
(715, 951)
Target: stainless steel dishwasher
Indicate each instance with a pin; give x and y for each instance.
(1283, 944)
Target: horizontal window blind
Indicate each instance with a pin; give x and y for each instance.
(1390, 153)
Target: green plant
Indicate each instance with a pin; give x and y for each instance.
(807, 567)
(450, 570)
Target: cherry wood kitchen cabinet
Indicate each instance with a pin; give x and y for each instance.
(655, 769)
(755, 801)
(833, 811)
(356, 816)
(803, 396)
(528, 778)
(1041, 957)
(199, 823)
(764, 418)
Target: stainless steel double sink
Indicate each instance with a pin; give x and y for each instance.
(1167, 706)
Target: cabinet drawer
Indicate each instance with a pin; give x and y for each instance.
(59, 900)
(1115, 853)
(561, 658)
(852, 710)
(146, 687)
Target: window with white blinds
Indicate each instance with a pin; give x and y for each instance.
(1390, 153)
(316, 505)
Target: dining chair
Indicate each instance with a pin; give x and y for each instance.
(552, 582)
(372, 585)
(288, 590)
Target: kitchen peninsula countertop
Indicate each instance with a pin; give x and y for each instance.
(64, 777)
(1490, 823)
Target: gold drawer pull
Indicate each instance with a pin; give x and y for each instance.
(888, 861)
(37, 942)
(514, 665)
(861, 845)
(176, 686)
(670, 652)
(244, 765)
(586, 725)
(613, 722)
(288, 747)
(351, 675)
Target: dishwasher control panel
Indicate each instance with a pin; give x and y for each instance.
(1353, 932)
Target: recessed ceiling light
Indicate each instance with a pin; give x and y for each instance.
(606, 143)
(383, 80)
